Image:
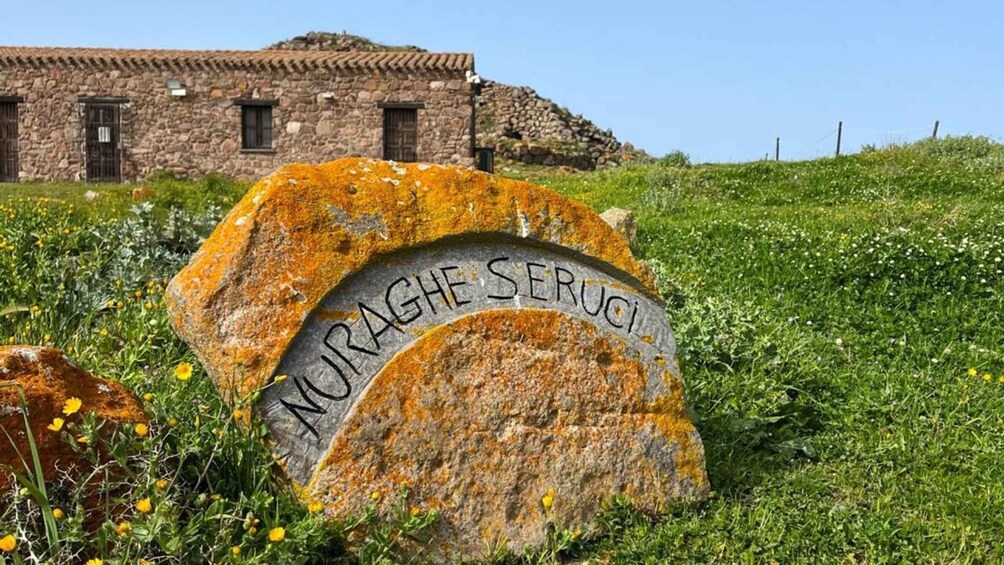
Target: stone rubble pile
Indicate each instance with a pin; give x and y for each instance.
(523, 126)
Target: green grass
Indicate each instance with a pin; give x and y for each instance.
(827, 313)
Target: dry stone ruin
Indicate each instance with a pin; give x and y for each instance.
(523, 126)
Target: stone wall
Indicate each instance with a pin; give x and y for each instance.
(200, 133)
(523, 126)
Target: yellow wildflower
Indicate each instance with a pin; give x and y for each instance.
(172, 422)
(144, 506)
(162, 484)
(148, 396)
(58, 513)
(8, 543)
(314, 507)
(141, 430)
(275, 535)
(238, 414)
(56, 425)
(987, 377)
(415, 511)
(183, 371)
(375, 496)
(84, 440)
(236, 550)
(280, 378)
(123, 528)
(971, 372)
(94, 561)
(547, 501)
(104, 332)
(72, 405)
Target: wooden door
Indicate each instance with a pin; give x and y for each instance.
(102, 129)
(8, 142)
(400, 134)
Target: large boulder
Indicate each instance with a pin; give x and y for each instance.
(48, 380)
(483, 340)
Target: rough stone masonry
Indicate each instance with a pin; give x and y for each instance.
(321, 105)
(482, 340)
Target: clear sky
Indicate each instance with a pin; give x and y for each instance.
(718, 80)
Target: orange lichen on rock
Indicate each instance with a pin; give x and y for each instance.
(484, 415)
(49, 380)
(142, 193)
(301, 231)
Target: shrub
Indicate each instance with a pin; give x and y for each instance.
(675, 158)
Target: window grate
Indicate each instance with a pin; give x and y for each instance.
(400, 134)
(102, 130)
(8, 142)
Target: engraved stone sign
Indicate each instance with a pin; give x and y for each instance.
(482, 340)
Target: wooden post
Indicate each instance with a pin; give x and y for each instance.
(934, 134)
(840, 134)
(777, 149)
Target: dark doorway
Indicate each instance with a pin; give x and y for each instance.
(400, 134)
(102, 129)
(8, 142)
(484, 157)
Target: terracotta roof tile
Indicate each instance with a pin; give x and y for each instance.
(177, 58)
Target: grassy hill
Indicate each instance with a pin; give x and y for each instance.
(829, 315)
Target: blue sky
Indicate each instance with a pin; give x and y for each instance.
(718, 80)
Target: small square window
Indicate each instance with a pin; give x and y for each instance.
(256, 127)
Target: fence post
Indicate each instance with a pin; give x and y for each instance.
(840, 134)
(934, 134)
(777, 149)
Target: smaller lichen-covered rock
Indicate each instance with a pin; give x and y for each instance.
(623, 223)
(49, 380)
(142, 193)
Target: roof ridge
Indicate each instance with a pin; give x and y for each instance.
(106, 56)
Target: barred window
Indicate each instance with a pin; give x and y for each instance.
(400, 134)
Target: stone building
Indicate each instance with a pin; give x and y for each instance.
(118, 115)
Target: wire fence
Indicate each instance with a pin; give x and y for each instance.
(845, 139)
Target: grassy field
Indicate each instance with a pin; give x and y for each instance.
(840, 330)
